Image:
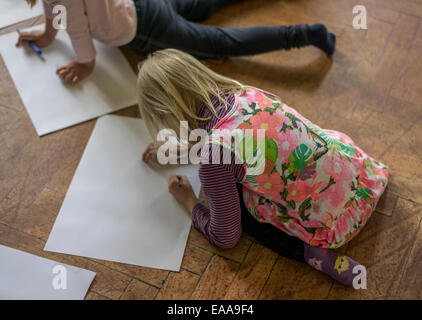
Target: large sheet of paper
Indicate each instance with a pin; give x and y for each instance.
(14, 11)
(24, 276)
(52, 105)
(117, 207)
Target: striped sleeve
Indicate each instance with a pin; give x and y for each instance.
(220, 223)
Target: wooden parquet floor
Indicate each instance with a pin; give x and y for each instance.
(371, 90)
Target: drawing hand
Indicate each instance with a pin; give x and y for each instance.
(74, 72)
(181, 189)
(150, 154)
(39, 37)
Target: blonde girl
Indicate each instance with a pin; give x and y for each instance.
(316, 192)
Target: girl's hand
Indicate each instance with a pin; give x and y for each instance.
(75, 72)
(39, 37)
(181, 189)
(150, 154)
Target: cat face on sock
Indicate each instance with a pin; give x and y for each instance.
(342, 264)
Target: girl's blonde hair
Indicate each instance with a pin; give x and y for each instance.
(31, 2)
(172, 84)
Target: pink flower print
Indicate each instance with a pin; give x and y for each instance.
(249, 96)
(330, 236)
(317, 264)
(311, 223)
(300, 190)
(250, 99)
(342, 225)
(327, 220)
(270, 184)
(320, 234)
(264, 120)
(308, 171)
(287, 144)
(334, 196)
(263, 212)
(246, 126)
(294, 228)
(297, 191)
(263, 101)
(316, 208)
(269, 166)
(284, 119)
(337, 168)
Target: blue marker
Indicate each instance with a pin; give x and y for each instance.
(33, 46)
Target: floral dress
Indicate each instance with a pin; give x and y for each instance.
(316, 184)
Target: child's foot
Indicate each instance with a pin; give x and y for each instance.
(338, 267)
(319, 37)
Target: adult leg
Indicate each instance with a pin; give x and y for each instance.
(198, 10)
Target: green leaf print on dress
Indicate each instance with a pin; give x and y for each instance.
(334, 144)
(299, 158)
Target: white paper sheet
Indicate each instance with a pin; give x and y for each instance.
(25, 276)
(52, 105)
(117, 207)
(14, 11)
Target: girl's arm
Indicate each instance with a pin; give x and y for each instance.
(80, 36)
(50, 31)
(220, 224)
(77, 27)
(42, 38)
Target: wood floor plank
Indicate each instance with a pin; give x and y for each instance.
(409, 87)
(95, 296)
(178, 286)
(16, 134)
(295, 280)
(382, 247)
(38, 218)
(382, 128)
(407, 6)
(253, 273)
(394, 58)
(195, 258)
(151, 276)
(404, 158)
(39, 161)
(237, 253)
(410, 286)
(387, 202)
(216, 279)
(138, 290)
(9, 96)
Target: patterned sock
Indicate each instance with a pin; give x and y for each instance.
(338, 267)
(319, 37)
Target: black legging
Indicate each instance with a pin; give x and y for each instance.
(270, 236)
(172, 24)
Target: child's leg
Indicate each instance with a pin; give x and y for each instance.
(198, 10)
(338, 267)
(161, 27)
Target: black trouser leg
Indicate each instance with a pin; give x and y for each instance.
(161, 27)
(198, 10)
(270, 236)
